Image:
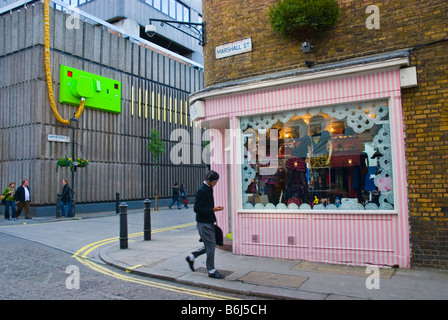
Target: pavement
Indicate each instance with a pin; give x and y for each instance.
(164, 255)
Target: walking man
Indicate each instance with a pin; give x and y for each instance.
(66, 199)
(205, 209)
(23, 196)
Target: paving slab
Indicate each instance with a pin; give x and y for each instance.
(273, 279)
(385, 273)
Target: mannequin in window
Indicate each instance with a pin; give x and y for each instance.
(359, 173)
(296, 164)
(270, 174)
(322, 150)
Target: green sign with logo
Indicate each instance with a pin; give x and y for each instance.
(101, 93)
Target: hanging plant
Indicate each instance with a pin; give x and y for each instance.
(82, 162)
(63, 163)
(66, 162)
(303, 18)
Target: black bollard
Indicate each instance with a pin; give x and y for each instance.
(73, 204)
(117, 203)
(123, 226)
(147, 220)
(58, 205)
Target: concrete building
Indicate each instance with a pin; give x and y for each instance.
(134, 15)
(154, 84)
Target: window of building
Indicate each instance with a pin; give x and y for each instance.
(329, 158)
(156, 4)
(165, 6)
(173, 8)
(172, 11)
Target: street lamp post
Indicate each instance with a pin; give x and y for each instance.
(74, 123)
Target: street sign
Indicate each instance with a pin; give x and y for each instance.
(56, 138)
(234, 48)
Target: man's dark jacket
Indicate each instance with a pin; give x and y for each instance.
(66, 194)
(20, 194)
(204, 204)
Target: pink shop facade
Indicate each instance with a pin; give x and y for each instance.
(312, 163)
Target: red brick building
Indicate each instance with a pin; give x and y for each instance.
(392, 57)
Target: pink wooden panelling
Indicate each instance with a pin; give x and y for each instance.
(338, 238)
(220, 190)
(359, 239)
(341, 90)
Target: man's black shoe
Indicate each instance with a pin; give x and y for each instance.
(190, 263)
(216, 275)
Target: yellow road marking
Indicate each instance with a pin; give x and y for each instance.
(100, 243)
(105, 271)
(128, 270)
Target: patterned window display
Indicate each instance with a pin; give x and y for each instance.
(328, 158)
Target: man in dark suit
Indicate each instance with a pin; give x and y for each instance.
(205, 209)
(23, 196)
(66, 199)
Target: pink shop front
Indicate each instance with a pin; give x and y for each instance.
(312, 165)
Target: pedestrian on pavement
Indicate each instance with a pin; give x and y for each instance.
(9, 201)
(23, 196)
(66, 199)
(176, 198)
(205, 209)
(183, 196)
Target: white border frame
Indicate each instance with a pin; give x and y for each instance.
(394, 133)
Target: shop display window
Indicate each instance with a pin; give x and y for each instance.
(328, 158)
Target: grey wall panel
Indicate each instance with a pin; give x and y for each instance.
(38, 24)
(154, 95)
(2, 39)
(14, 32)
(28, 27)
(8, 35)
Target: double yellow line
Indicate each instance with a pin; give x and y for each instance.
(81, 256)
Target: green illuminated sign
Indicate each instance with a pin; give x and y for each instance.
(101, 93)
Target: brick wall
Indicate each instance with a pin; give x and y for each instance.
(403, 24)
(427, 157)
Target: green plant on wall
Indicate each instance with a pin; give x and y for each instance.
(303, 18)
(156, 146)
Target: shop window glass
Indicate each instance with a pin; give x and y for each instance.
(329, 158)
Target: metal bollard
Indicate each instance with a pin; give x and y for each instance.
(58, 205)
(117, 203)
(123, 226)
(147, 220)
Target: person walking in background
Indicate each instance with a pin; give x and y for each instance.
(176, 197)
(183, 196)
(205, 209)
(9, 201)
(66, 199)
(23, 196)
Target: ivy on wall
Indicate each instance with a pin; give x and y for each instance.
(303, 18)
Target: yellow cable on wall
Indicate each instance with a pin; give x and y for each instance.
(48, 69)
